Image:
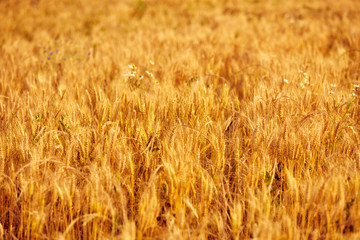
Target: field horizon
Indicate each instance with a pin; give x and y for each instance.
(144, 119)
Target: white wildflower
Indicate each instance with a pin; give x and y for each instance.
(132, 66)
(149, 73)
(132, 74)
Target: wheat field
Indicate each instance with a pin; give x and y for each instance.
(179, 119)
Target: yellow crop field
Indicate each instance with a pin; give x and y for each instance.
(179, 119)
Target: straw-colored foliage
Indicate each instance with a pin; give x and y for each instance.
(211, 119)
